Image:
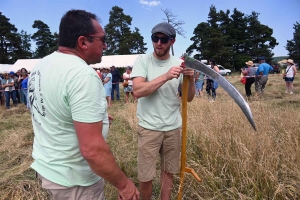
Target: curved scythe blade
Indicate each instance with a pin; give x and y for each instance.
(230, 89)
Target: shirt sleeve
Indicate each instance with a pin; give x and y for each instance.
(87, 99)
(139, 68)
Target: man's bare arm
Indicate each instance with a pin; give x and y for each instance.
(97, 153)
(141, 88)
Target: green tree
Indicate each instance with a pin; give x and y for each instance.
(45, 41)
(259, 38)
(209, 40)
(200, 42)
(237, 37)
(9, 41)
(120, 39)
(25, 44)
(293, 45)
(232, 39)
(172, 19)
(54, 44)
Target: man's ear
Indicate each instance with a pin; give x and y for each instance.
(82, 42)
(173, 41)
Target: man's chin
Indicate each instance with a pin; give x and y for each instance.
(98, 60)
(160, 53)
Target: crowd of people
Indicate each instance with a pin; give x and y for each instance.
(252, 75)
(260, 75)
(111, 78)
(69, 109)
(14, 86)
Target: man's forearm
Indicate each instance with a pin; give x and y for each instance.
(97, 153)
(104, 165)
(142, 89)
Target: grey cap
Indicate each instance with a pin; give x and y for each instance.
(164, 28)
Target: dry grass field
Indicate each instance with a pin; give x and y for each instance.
(233, 160)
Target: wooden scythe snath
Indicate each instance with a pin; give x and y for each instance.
(184, 168)
(230, 89)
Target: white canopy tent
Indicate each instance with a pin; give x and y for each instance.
(24, 63)
(118, 61)
(5, 68)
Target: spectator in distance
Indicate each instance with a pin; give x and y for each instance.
(289, 76)
(9, 89)
(250, 77)
(108, 86)
(116, 76)
(128, 84)
(261, 75)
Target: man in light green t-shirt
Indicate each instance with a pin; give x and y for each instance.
(69, 116)
(156, 78)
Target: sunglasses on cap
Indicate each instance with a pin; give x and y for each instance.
(163, 40)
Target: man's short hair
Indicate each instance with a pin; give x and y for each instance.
(73, 24)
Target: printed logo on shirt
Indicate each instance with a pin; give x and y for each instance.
(35, 94)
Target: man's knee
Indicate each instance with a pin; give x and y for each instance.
(167, 174)
(146, 183)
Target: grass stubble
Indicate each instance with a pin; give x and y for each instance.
(233, 160)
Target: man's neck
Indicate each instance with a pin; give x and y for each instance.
(71, 51)
(165, 57)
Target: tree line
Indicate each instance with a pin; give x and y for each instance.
(230, 38)
(233, 38)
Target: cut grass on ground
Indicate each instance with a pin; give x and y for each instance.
(233, 161)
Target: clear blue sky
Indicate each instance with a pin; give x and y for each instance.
(280, 15)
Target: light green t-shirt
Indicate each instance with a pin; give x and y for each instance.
(160, 110)
(63, 88)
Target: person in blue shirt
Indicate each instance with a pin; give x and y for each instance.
(108, 86)
(261, 76)
(24, 87)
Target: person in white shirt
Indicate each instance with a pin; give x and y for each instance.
(9, 89)
(128, 83)
(289, 76)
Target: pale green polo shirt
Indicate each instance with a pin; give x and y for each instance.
(63, 88)
(160, 110)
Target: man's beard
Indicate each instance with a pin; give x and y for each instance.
(161, 52)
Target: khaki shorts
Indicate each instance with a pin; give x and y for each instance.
(151, 144)
(59, 192)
